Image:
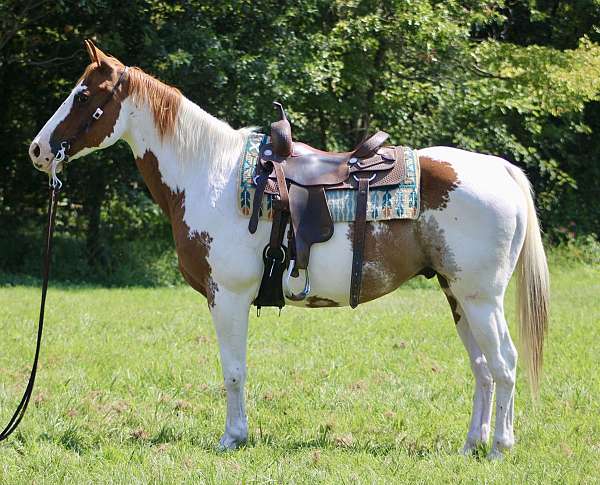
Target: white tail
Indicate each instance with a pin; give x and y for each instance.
(533, 288)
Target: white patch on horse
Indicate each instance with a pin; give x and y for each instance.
(43, 137)
(330, 267)
(379, 229)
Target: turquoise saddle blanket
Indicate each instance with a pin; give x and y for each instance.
(398, 202)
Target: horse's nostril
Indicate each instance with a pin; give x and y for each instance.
(36, 150)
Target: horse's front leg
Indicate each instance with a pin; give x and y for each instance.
(230, 317)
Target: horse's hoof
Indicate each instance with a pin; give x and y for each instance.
(229, 442)
(495, 455)
(468, 449)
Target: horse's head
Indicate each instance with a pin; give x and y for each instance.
(90, 116)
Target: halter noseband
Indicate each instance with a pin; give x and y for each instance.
(65, 145)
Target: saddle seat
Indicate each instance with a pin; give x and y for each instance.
(298, 175)
(310, 166)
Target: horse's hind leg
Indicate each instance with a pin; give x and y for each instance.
(485, 317)
(479, 429)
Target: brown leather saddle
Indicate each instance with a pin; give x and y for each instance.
(299, 175)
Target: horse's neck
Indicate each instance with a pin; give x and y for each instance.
(198, 162)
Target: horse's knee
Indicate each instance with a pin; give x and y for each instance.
(234, 378)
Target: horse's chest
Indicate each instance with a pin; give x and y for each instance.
(193, 247)
(192, 251)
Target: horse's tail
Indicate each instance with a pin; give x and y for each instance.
(533, 287)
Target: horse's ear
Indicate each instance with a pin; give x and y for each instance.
(92, 51)
(96, 55)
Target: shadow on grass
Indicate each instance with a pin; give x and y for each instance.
(412, 449)
(8, 280)
(376, 449)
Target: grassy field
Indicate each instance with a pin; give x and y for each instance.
(130, 391)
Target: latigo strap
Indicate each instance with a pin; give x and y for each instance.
(358, 243)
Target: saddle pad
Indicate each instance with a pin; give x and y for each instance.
(397, 202)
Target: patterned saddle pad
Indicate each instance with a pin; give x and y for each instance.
(398, 202)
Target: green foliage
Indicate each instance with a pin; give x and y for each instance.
(583, 250)
(517, 79)
(135, 262)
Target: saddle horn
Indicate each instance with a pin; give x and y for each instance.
(281, 133)
(279, 106)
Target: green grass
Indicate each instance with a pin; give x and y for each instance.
(130, 391)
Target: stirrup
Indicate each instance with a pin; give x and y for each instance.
(286, 285)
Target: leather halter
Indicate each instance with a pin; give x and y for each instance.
(65, 145)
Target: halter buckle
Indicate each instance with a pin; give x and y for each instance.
(97, 114)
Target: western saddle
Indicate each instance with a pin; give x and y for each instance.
(298, 176)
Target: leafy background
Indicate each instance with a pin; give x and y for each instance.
(518, 79)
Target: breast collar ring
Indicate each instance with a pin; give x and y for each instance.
(65, 145)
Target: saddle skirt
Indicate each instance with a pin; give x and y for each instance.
(385, 202)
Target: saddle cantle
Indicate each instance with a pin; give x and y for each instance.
(298, 175)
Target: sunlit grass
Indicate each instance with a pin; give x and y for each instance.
(130, 391)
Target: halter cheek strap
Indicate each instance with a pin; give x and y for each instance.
(96, 115)
(65, 145)
(100, 109)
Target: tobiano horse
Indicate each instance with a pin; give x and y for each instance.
(477, 225)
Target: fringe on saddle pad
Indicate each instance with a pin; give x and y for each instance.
(400, 202)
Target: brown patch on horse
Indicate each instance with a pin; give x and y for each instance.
(99, 82)
(438, 254)
(318, 302)
(438, 179)
(401, 249)
(164, 100)
(192, 248)
(450, 297)
(392, 256)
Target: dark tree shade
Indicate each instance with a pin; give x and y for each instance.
(517, 79)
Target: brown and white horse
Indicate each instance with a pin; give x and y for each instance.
(478, 223)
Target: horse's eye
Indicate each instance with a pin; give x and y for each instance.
(81, 98)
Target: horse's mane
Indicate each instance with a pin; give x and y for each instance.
(164, 100)
(197, 135)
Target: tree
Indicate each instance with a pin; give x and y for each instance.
(516, 79)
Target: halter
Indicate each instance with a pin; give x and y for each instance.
(65, 145)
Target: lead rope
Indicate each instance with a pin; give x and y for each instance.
(55, 186)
